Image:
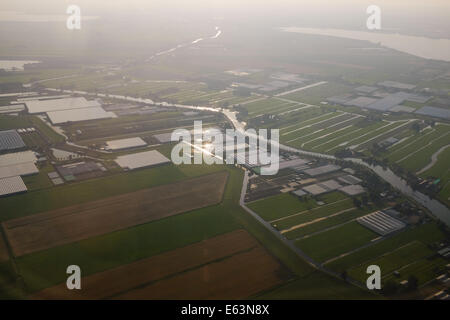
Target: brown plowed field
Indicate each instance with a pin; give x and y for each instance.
(124, 278)
(237, 277)
(70, 224)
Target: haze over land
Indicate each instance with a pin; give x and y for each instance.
(90, 172)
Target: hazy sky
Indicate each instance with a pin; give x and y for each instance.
(407, 16)
(98, 6)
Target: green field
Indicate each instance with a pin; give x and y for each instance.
(332, 243)
(279, 206)
(89, 190)
(125, 246)
(283, 205)
(424, 270)
(327, 223)
(427, 233)
(393, 260)
(313, 214)
(317, 286)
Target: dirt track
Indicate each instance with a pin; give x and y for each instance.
(70, 224)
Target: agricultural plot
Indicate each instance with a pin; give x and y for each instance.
(335, 242)
(424, 270)
(70, 224)
(416, 152)
(432, 137)
(124, 246)
(325, 223)
(296, 118)
(268, 106)
(327, 129)
(345, 139)
(236, 277)
(283, 205)
(318, 94)
(299, 220)
(426, 234)
(333, 131)
(279, 206)
(393, 260)
(317, 285)
(137, 274)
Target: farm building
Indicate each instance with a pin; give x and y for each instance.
(381, 223)
(366, 89)
(69, 109)
(322, 170)
(396, 85)
(388, 102)
(123, 144)
(74, 115)
(10, 140)
(434, 112)
(12, 185)
(322, 187)
(18, 164)
(352, 190)
(76, 170)
(360, 102)
(141, 160)
(44, 106)
(349, 179)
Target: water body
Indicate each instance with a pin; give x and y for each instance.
(438, 209)
(428, 48)
(15, 65)
(217, 35)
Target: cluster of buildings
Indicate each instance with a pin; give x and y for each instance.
(277, 82)
(389, 96)
(15, 163)
(63, 110)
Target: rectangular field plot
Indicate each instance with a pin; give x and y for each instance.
(269, 106)
(124, 246)
(424, 270)
(426, 234)
(66, 225)
(393, 260)
(418, 141)
(237, 277)
(283, 205)
(130, 276)
(279, 206)
(335, 242)
(302, 218)
(326, 222)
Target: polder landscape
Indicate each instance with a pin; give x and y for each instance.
(86, 176)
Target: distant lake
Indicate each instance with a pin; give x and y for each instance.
(428, 48)
(15, 65)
